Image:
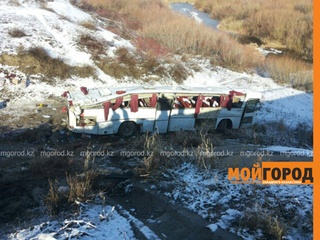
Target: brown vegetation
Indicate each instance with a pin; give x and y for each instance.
(159, 32)
(17, 33)
(94, 46)
(165, 30)
(270, 226)
(80, 187)
(289, 71)
(37, 60)
(288, 23)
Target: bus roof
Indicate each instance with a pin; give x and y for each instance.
(100, 95)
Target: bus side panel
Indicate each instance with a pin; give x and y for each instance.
(182, 119)
(147, 125)
(234, 115)
(162, 121)
(144, 117)
(106, 128)
(75, 122)
(209, 113)
(72, 120)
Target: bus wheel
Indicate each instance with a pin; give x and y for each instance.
(224, 125)
(127, 129)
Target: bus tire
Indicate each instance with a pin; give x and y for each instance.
(224, 125)
(127, 129)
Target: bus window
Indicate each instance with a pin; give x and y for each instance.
(236, 102)
(251, 105)
(184, 102)
(145, 102)
(124, 104)
(164, 104)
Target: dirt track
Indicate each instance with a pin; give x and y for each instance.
(166, 220)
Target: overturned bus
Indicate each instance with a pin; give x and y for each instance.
(161, 109)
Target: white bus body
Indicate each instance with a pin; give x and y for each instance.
(159, 109)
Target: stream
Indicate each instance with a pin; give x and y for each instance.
(190, 11)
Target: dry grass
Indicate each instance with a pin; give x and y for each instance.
(276, 133)
(235, 56)
(179, 72)
(150, 46)
(37, 61)
(118, 69)
(92, 45)
(290, 23)
(89, 24)
(204, 153)
(169, 32)
(152, 148)
(17, 33)
(270, 226)
(83, 72)
(80, 186)
(289, 71)
(52, 67)
(54, 198)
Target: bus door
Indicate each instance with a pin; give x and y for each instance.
(249, 112)
(162, 115)
(182, 114)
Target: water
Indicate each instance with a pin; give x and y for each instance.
(187, 9)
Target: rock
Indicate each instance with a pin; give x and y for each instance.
(38, 194)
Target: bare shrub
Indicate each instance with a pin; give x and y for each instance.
(152, 148)
(302, 80)
(304, 135)
(125, 64)
(205, 152)
(179, 73)
(93, 45)
(150, 46)
(151, 63)
(286, 70)
(270, 225)
(54, 199)
(126, 57)
(80, 186)
(286, 23)
(112, 68)
(17, 33)
(234, 56)
(40, 53)
(161, 30)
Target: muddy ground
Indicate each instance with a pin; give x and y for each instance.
(29, 147)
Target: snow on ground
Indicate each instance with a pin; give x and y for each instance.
(95, 222)
(243, 209)
(57, 28)
(289, 151)
(278, 102)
